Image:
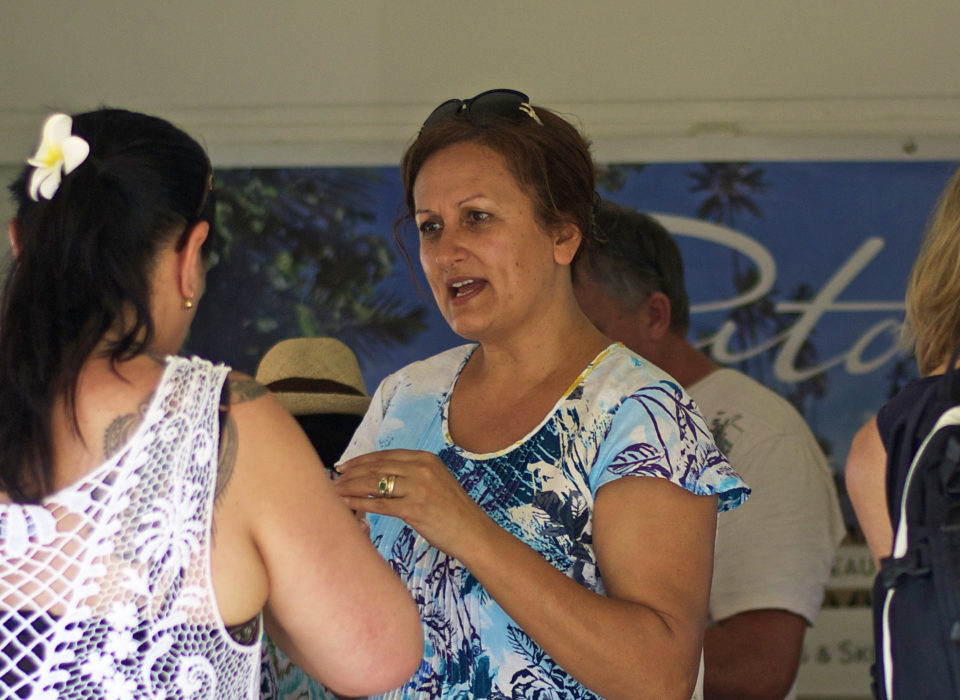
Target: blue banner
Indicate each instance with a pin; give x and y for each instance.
(796, 271)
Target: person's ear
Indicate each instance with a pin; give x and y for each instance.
(13, 232)
(566, 242)
(658, 315)
(190, 266)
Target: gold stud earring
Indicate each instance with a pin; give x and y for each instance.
(188, 303)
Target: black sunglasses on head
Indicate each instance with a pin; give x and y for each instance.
(495, 103)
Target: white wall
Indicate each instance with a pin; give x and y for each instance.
(7, 174)
(348, 81)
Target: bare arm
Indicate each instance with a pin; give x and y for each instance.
(866, 479)
(654, 547)
(753, 655)
(332, 603)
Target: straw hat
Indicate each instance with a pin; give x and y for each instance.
(314, 375)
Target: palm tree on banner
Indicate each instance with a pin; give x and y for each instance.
(290, 258)
(729, 190)
(612, 177)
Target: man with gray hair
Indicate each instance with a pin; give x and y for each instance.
(774, 553)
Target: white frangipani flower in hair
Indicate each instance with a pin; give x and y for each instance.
(59, 154)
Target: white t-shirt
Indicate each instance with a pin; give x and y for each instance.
(775, 550)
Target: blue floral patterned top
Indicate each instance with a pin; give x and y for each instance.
(622, 417)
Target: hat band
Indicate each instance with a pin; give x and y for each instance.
(305, 385)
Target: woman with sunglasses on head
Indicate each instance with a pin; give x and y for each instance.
(152, 507)
(494, 474)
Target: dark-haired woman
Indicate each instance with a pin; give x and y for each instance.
(119, 461)
(548, 496)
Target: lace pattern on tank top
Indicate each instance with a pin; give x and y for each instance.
(105, 587)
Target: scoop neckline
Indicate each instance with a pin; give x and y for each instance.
(445, 407)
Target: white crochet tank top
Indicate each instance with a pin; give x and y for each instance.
(105, 587)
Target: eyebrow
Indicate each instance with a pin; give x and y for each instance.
(467, 199)
(458, 204)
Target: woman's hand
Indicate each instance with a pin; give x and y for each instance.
(422, 492)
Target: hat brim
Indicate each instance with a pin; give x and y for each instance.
(303, 404)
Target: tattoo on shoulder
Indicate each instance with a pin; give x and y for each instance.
(244, 388)
(121, 428)
(228, 456)
(241, 388)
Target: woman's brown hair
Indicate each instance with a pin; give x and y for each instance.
(547, 155)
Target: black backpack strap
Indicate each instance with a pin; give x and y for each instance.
(916, 562)
(952, 384)
(948, 469)
(909, 431)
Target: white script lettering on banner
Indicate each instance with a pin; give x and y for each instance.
(808, 313)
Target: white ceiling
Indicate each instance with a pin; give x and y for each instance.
(348, 81)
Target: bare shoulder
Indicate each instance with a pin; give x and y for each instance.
(867, 457)
(242, 414)
(244, 388)
(253, 406)
(260, 423)
(869, 432)
(867, 448)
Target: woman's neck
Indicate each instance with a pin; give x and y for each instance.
(534, 357)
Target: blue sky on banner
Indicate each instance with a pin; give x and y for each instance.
(832, 243)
